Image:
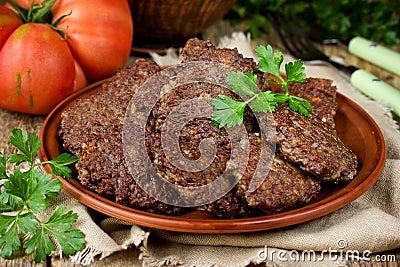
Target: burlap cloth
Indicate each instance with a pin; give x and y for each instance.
(371, 223)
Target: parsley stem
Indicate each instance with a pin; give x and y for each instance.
(251, 99)
(285, 85)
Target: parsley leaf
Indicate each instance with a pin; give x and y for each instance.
(295, 72)
(9, 240)
(61, 220)
(5, 207)
(59, 165)
(26, 222)
(269, 62)
(9, 202)
(70, 241)
(29, 193)
(28, 145)
(45, 248)
(264, 102)
(242, 83)
(42, 190)
(59, 226)
(3, 174)
(17, 185)
(10, 227)
(229, 112)
(299, 105)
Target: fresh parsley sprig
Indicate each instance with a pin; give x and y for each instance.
(229, 112)
(28, 193)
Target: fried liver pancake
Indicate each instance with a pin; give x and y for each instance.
(284, 187)
(314, 146)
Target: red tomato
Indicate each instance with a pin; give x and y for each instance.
(39, 68)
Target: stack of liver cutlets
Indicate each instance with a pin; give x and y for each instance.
(92, 130)
(308, 148)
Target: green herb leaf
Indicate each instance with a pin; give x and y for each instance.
(264, 102)
(9, 240)
(40, 244)
(5, 223)
(295, 72)
(59, 165)
(300, 105)
(17, 158)
(28, 145)
(10, 227)
(35, 189)
(269, 61)
(252, 77)
(5, 207)
(42, 189)
(3, 174)
(70, 241)
(59, 225)
(10, 202)
(17, 185)
(61, 220)
(228, 112)
(242, 83)
(20, 140)
(281, 98)
(27, 222)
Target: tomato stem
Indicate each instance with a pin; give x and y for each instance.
(40, 13)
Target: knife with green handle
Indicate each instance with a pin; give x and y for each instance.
(366, 82)
(371, 86)
(377, 54)
(376, 89)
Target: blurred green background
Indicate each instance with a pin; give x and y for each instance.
(326, 19)
(377, 20)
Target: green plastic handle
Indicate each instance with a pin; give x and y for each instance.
(379, 55)
(376, 89)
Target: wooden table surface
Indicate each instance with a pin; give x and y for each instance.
(130, 256)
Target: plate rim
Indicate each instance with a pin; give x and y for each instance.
(216, 226)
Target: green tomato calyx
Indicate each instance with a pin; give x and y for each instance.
(40, 13)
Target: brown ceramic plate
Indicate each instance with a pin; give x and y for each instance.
(354, 125)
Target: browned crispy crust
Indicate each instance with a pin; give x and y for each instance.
(314, 146)
(284, 186)
(321, 93)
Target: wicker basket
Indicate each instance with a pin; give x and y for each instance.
(166, 23)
